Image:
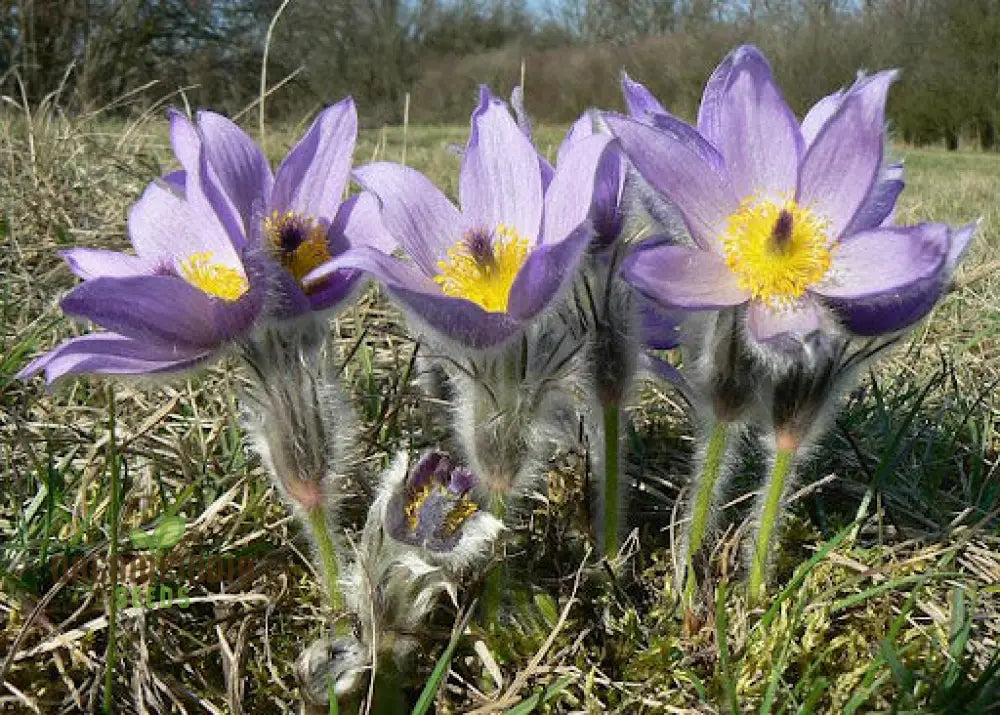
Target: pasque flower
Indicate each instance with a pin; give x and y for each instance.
(296, 216)
(786, 218)
(216, 243)
(188, 290)
(793, 237)
(430, 507)
(480, 273)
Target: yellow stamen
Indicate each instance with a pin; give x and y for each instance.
(299, 242)
(414, 504)
(776, 250)
(484, 278)
(216, 279)
(462, 510)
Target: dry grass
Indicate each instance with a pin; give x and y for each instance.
(901, 610)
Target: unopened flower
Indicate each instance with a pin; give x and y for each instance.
(296, 414)
(340, 664)
(775, 218)
(423, 530)
(479, 274)
(433, 509)
(189, 290)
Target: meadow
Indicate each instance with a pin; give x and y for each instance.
(887, 597)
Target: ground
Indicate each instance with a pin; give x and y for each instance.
(885, 596)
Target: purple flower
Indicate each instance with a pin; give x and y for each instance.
(432, 505)
(185, 294)
(480, 273)
(787, 219)
(297, 215)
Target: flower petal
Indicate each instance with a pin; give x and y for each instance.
(89, 263)
(414, 211)
(894, 310)
(659, 369)
(312, 178)
(673, 164)
(877, 208)
(359, 223)
(335, 290)
(683, 277)
(109, 353)
(758, 135)
(545, 272)
(176, 180)
(819, 114)
(884, 260)
(768, 324)
(184, 140)
(587, 178)
(710, 120)
(165, 311)
(580, 129)
(842, 164)
(387, 269)
(959, 244)
(500, 182)
(639, 101)
(238, 166)
(164, 226)
(660, 329)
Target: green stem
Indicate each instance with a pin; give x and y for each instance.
(612, 417)
(327, 554)
(388, 692)
(493, 588)
(111, 655)
(783, 462)
(702, 504)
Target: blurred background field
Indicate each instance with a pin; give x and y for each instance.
(887, 596)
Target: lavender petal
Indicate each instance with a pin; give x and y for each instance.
(415, 212)
(683, 277)
(842, 164)
(312, 178)
(500, 182)
(885, 260)
(758, 136)
(674, 165)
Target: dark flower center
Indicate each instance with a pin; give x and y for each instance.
(480, 245)
(292, 232)
(781, 234)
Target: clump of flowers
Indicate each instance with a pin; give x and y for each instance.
(789, 226)
(480, 284)
(765, 247)
(221, 247)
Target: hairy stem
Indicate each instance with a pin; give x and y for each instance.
(111, 655)
(493, 588)
(327, 554)
(612, 418)
(701, 506)
(783, 462)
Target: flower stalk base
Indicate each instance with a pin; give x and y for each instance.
(612, 420)
(702, 504)
(327, 555)
(783, 463)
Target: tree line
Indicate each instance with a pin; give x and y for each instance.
(95, 53)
